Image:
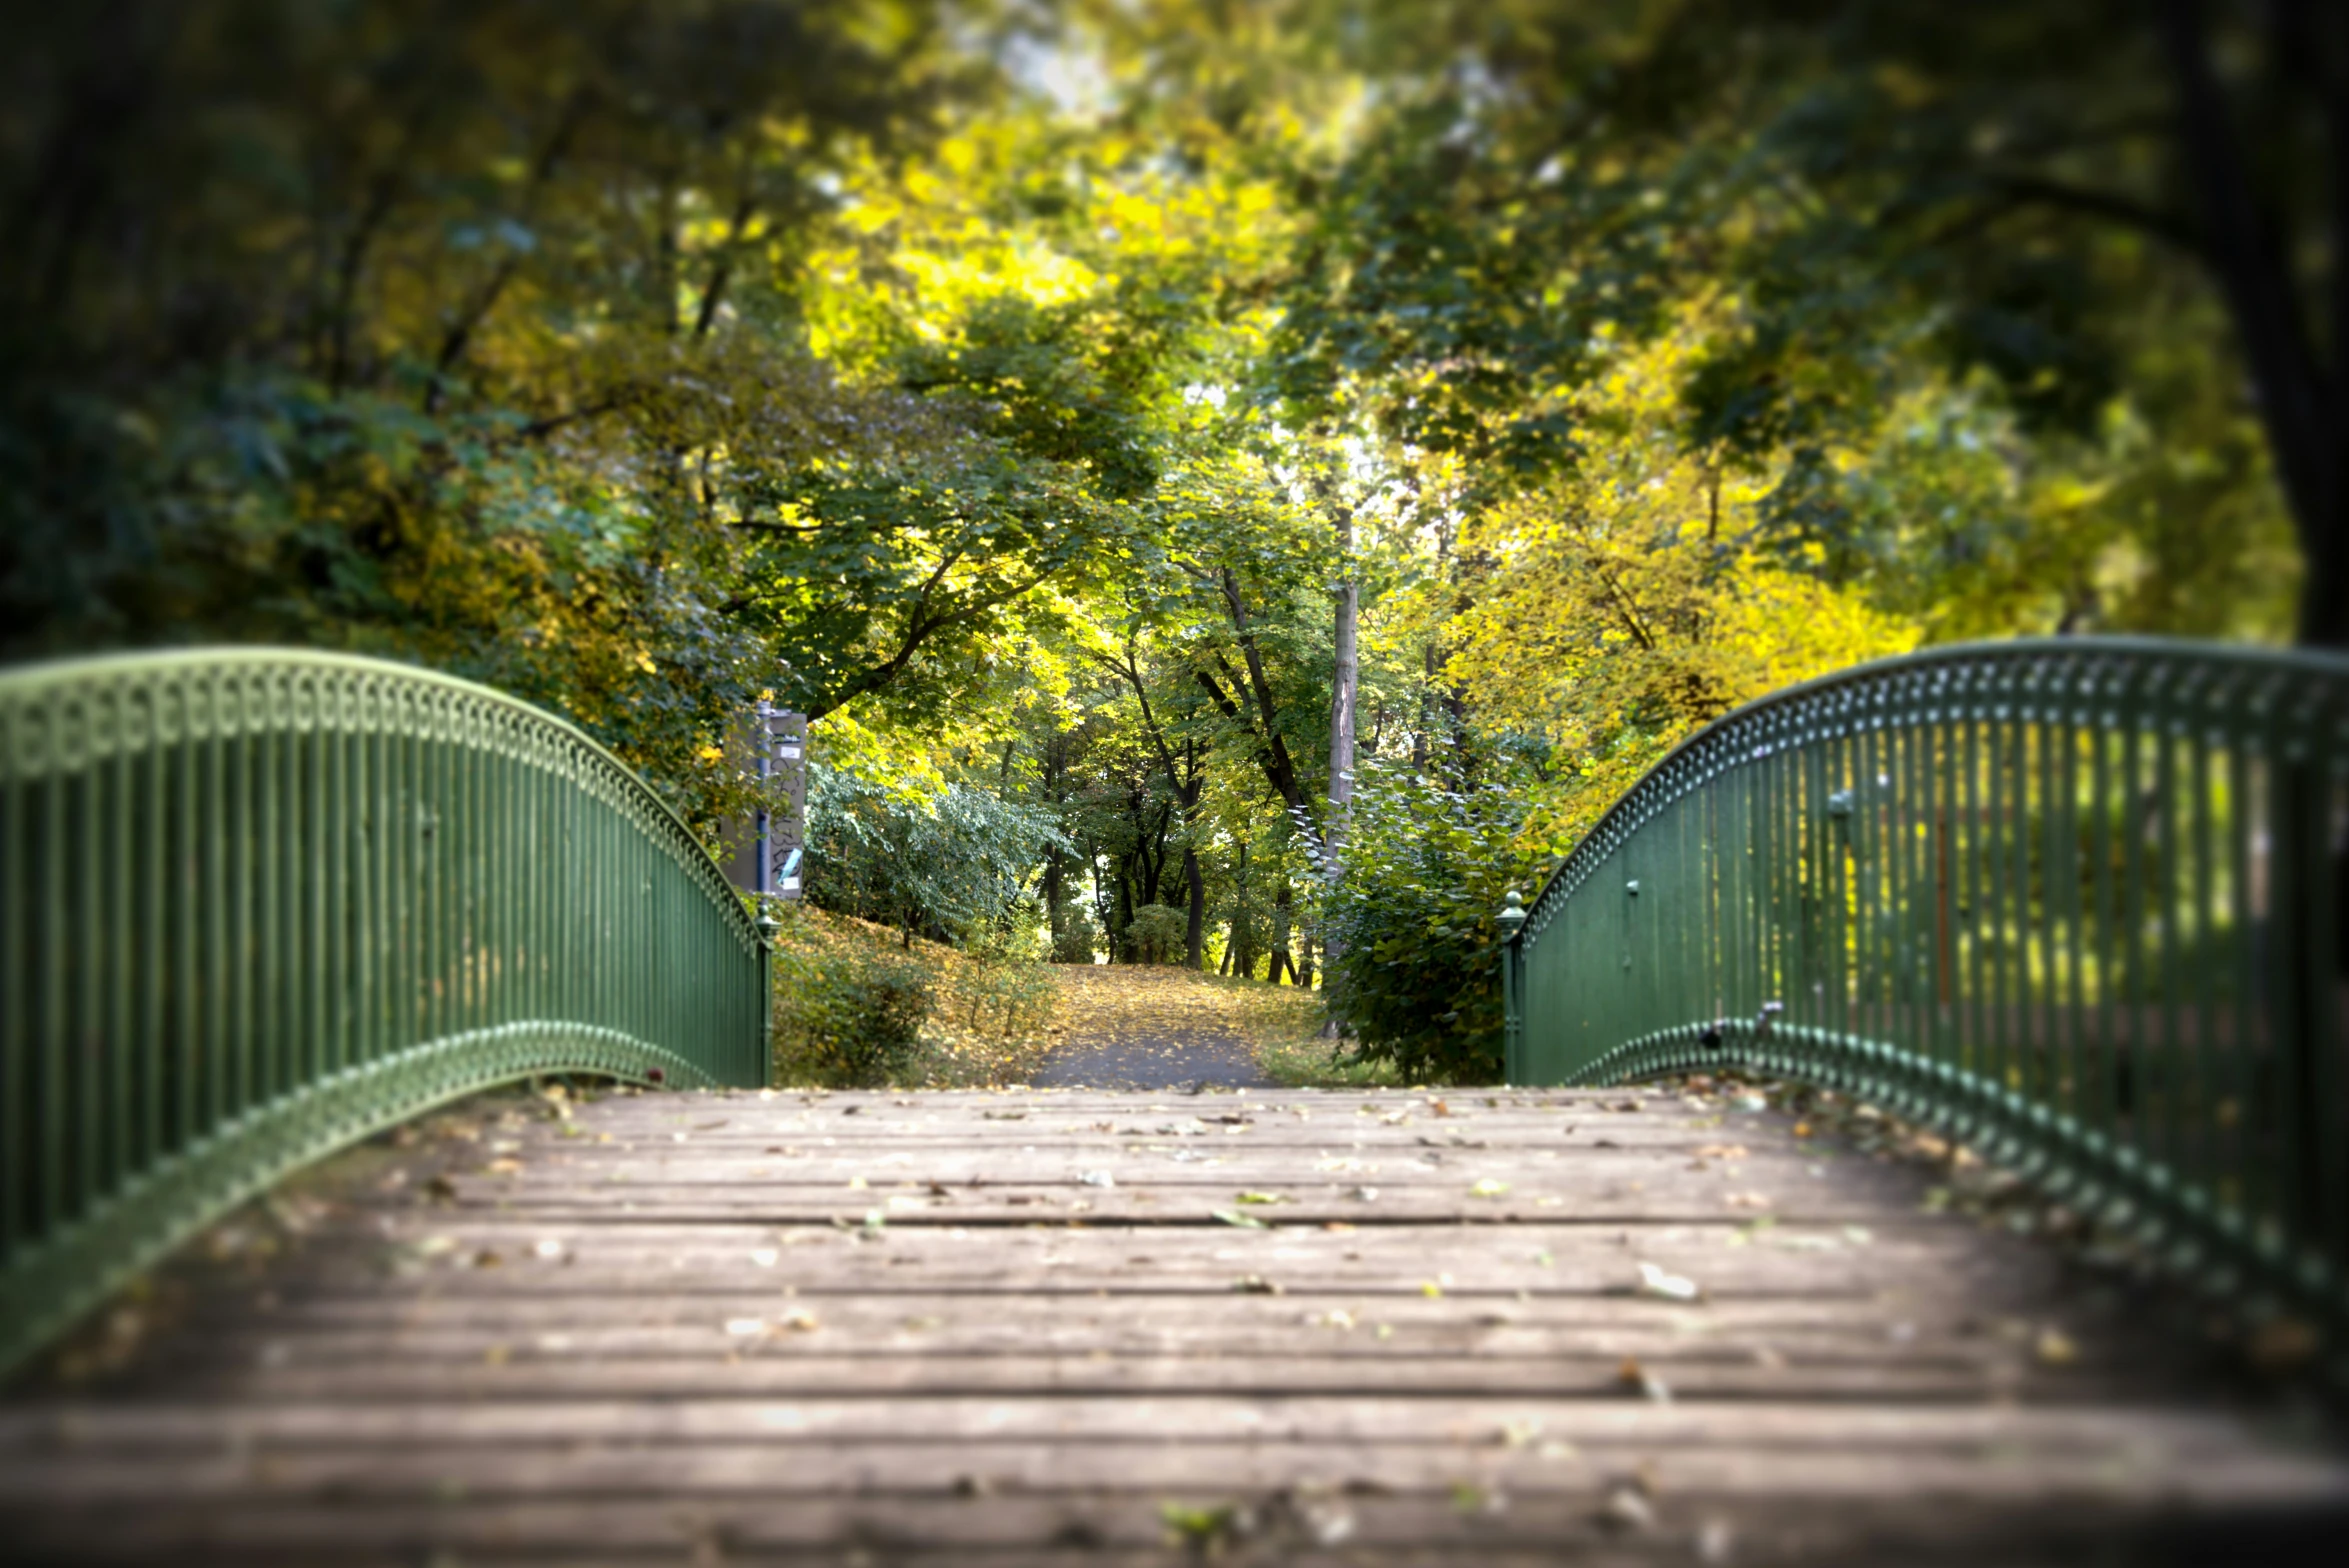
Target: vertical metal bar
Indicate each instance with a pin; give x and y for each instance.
(19, 980)
(2235, 1115)
(274, 1058)
(1867, 883)
(2202, 1102)
(2322, 966)
(1940, 763)
(2107, 814)
(2172, 897)
(329, 905)
(1998, 921)
(1975, 898)
(86, 1049)
(2132, 1096)
(2065, 871)
(2046, 979)
(152, 854)
(363, 828)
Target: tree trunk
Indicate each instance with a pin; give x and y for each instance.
(1283, 901)
(2303, 408)
(1195, 933)
(1345, 679)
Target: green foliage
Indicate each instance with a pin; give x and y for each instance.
(952, 866)
(856, 1005)
(650, 361)
(1155, 934)
(1077, 938)
(1419, 984)
(856, 1023)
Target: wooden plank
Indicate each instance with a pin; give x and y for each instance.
(671, 1325)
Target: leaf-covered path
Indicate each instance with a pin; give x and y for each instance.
(998, 1328)
(1132, 1026)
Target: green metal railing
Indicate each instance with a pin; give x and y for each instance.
(2079, 902)
(255, 904)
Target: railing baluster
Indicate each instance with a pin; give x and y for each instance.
(253, 903)
(2076, 901)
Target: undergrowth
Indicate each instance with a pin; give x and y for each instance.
(856, 1007)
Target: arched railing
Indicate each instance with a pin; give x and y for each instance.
(2078, 901)
(255, 904)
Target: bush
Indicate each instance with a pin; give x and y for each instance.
(854, 1008)
(949, 867)
(861, 1022)
(1419, 977)
(1157, 933)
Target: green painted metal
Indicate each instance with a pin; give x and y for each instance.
(255, 904)
(2080, 902)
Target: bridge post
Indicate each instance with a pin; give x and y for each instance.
(1512, 922)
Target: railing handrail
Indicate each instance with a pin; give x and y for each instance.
(1939, 654)
(256, 903)
(20, 681)
(2080, 901)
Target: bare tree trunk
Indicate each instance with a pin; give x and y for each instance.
(1282, 901)
(1343, 686)
(1195, 932)
(2245, 245)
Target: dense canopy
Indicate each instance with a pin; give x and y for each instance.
(1275, 469)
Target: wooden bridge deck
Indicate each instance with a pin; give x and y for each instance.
(968, 1328)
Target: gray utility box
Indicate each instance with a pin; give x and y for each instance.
(762, 854)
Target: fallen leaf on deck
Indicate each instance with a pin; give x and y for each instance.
(2055, 1348)
(1262, 1197)
(1255, 1285)
(1639, 1380)
(1655, 1281)
(1097, 1179)
(1625, 1510)
(1244, 1221)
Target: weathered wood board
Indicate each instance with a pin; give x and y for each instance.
(1285, 1326)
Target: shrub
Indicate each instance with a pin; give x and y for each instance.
(861, 1021)
(1156, 934)
(948, 867)
(1419, 979)
(854, 1008)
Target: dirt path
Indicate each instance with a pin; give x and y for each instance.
(1129, 1027)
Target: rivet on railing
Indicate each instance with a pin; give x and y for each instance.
(1632, 887)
